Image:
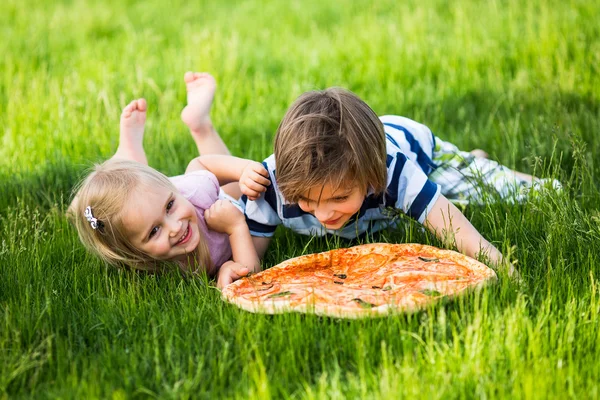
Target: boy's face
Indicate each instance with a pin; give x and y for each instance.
(162, 223)
(332, 207)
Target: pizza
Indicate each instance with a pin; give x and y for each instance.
(361, 281)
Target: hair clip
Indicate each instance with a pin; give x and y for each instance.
(90, 217)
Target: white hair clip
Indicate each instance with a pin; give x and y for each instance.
(90, 217)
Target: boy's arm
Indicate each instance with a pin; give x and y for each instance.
(452, 227)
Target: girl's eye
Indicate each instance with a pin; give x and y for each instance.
(170, 204)
(153, 231)
(340, 199)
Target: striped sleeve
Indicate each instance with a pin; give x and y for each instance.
(408, 189)
(415, 140)
(261, 214)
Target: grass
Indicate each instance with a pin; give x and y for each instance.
(520, 80)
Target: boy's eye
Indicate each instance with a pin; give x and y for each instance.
(340, 199)
(153, 231)
(170, 204)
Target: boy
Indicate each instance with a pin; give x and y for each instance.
(338, 169)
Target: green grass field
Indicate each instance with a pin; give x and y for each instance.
(518, 79)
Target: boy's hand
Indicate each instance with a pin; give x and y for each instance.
(515, 275)
(229, 272)
(224, 217)
(254, 180)
(508, 263)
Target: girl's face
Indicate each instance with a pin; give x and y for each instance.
(333, 208)
(162, 223)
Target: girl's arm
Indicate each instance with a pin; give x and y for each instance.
(453, 228)
(224, 217)
(251, 175)
(229, 272)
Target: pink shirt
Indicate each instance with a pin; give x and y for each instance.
(201, 188)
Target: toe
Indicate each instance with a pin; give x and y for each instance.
(188, 77)
(205, 78)
(141, 104)
(129, 108)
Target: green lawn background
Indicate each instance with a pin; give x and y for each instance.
(518, 79)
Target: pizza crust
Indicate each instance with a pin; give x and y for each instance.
(361, 281)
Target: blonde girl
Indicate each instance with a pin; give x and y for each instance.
(130, 214)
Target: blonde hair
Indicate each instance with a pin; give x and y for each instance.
(330, 137)
(106, 190)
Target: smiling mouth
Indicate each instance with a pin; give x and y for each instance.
(186, 236)
(332, 221)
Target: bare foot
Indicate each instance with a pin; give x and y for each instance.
(479, 153)
(200, 92)
(133, 120)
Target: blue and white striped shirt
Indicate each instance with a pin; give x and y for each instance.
(409, 160)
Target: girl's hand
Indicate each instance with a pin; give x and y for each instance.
(254, 180)
(230, 272)
(224, 217)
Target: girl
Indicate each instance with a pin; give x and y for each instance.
(130, 214)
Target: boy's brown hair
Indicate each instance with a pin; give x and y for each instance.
(330, 137)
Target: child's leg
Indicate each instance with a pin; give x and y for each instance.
(196, 115)
(464, 177)
(526, 177)
(478, 153)
(131, 135)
